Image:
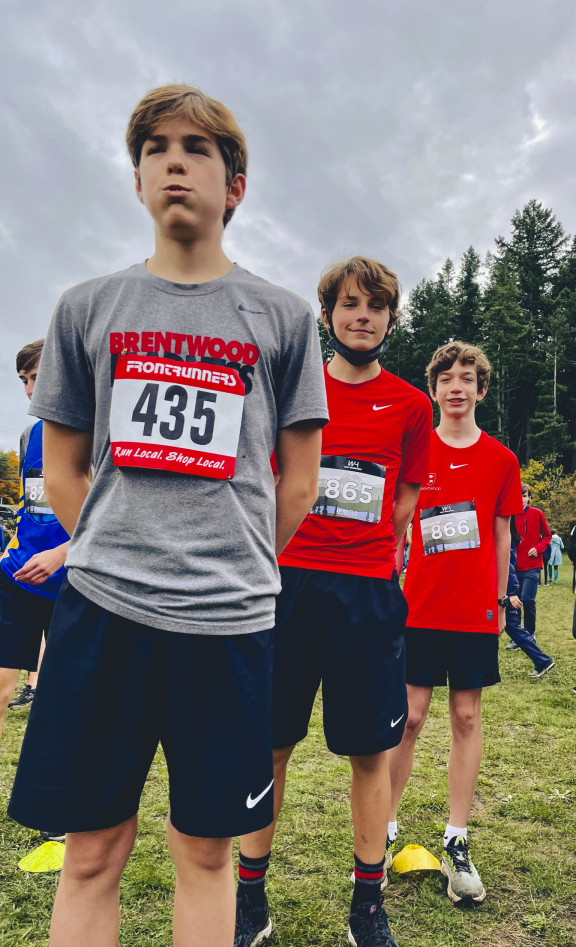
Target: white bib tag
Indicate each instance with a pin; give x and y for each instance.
(445, 528)
(181, 416)
(36, 500)
(350, 488)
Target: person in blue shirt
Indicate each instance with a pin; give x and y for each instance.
(32, 565)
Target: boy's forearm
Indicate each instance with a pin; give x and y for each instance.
(502, 543)
(298, 459)
(67, 456)
(66, 496)
(405, 500)
(294, 500)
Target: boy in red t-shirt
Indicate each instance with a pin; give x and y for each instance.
(340, 616)
(456, 590)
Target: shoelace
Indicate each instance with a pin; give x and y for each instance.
(459, 855)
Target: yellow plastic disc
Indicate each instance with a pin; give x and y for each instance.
(48, 857)
(415, 858)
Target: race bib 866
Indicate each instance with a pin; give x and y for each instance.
(181, 416)
(450, 527)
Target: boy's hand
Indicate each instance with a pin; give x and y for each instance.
(501, 619)
(515, 602)
(42, 565)
(533, 552)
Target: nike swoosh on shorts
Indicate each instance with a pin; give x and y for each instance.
(250, 802)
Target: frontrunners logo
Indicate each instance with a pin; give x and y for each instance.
(188, 348)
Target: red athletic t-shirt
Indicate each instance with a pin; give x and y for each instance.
(378, 434)
(451, 580)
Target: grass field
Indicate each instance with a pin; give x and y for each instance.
(522, 831)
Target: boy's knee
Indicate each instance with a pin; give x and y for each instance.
(466, 721)
(414, 722)
(200, 854)
(99, 854)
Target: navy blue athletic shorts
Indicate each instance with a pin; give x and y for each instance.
(346, 631)
(467, 659)
(23, 618)
(110, 690)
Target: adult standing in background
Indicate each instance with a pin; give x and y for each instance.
(535, 536)
(555, 559)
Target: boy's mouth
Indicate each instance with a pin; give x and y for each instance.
(176, 188)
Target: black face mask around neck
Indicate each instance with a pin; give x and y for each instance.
(354, 357)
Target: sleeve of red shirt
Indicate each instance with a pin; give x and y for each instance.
(510, 498)
(417, 444)
(545, 534)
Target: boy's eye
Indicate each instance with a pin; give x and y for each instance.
(197, 150)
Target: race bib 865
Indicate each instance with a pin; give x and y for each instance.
(181, 416)
(350, 488)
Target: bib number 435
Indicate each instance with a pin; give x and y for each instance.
(185, 418)
(145, 412)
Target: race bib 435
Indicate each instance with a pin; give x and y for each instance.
(181, 416)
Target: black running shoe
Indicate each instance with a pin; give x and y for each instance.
(253, 924)
(369, 926)
(52, 836)
(24, 699)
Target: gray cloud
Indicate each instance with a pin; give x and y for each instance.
(406, 130)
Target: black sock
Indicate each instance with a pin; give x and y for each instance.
(252, 877)
(367, 882)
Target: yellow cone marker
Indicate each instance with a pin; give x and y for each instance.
(48, 857)
(415, 858)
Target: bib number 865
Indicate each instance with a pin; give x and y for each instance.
(449, 529)
(349, 491)
(176, 395)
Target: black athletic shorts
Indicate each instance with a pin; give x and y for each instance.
(467, 659)
(23, 618)
(110, 690)
(346, 631)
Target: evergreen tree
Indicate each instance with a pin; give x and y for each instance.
(534, 253)
(468, 297)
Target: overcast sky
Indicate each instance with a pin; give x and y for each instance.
(403, 129)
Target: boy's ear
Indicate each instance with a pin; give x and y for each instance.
(431, 393)
(481, 394)
(138, 185)
(235, 191)
(324, 318)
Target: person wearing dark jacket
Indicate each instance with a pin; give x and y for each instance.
(572, 558)
(519, 635)
(535, 536)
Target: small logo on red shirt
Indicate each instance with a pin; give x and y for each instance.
(431, 479)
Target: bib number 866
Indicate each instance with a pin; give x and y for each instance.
(349, 491)
(449, 529)
(176, 395)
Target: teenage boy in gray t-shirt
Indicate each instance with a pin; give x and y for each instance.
(177, 378)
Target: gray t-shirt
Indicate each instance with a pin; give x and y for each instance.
(171, 550)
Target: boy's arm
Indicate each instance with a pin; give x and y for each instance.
(502, 545)
(298, 461)
(545, 537)
(67, 455)
(403, 506)
(42, 565)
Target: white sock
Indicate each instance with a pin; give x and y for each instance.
(452, 831)
(392, 831)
